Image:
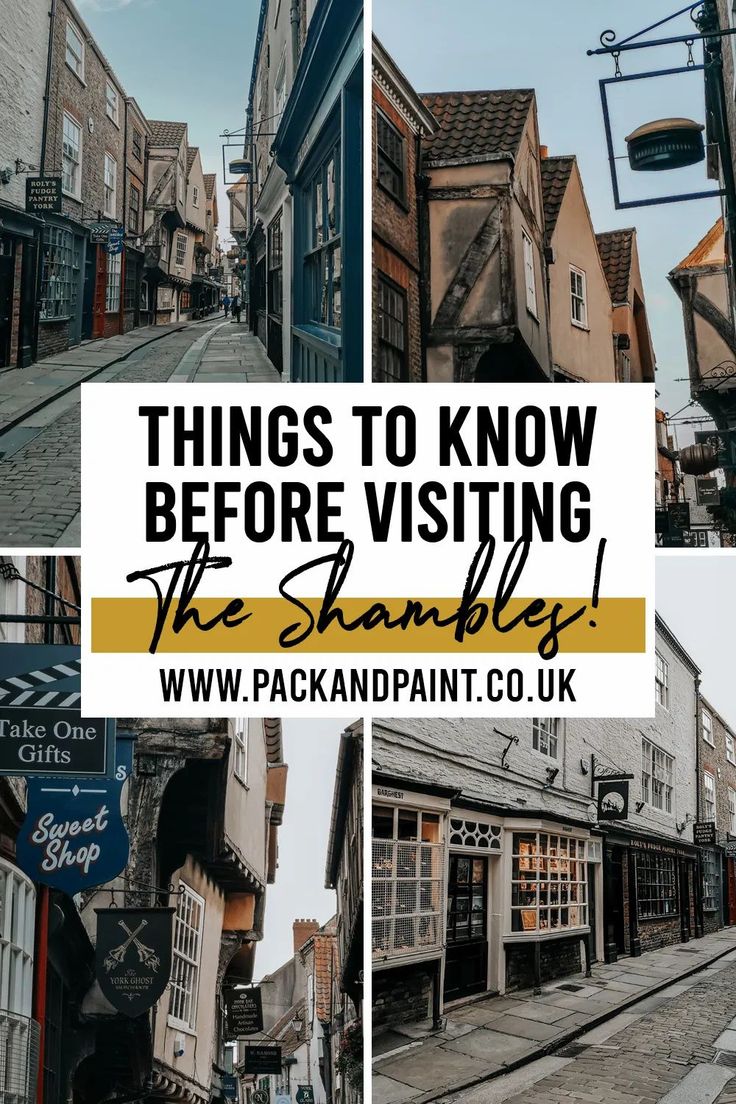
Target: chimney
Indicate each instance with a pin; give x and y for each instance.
(303, 930)
(543, 153)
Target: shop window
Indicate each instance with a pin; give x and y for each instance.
(545, 736)
(657, 769)
(392, 362)
(656, 885)
(661, 681)
(711, 868)
(130, 287)
(71, 157)
(56, 280)
(731, 811)
(112, 291)
(709, 796)
(472, 833)
(707, 722)
(408, 882)
(530, 278)
(578, 298)
(549, 883)
(390, 157)
(185, 300)
(323, 262)
(275, 267)
(188, 931)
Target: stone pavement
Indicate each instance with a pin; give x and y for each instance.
(487, 1038)
(229, 353)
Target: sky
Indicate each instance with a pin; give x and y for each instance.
(184, 60)
(697, 598)
(310, 749)
(541, 44)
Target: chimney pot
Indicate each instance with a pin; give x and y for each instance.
(544, 152)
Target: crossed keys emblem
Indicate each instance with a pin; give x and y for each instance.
(146, 955)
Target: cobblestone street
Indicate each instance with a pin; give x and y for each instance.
(678, 1047)
(40, 456)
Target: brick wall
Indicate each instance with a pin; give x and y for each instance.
(25, 37)
(559, 958)
(659, 933)
(396, 235)
(401, 995)
(53, 337)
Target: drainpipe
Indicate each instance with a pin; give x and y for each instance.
(38, 280)
(699, 918)
(422, 187)
(295, 17)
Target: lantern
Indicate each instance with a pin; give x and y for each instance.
(665, 144)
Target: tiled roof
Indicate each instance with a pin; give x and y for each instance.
(164, 133)
(191, 154)
(615, 248)
(210, 182)
(473, 125)
(705, 249)
(325, 968)
(555, 176)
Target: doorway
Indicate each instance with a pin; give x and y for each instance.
(684, 901)
(731, 884)
(7, 281)
(466, 961)
(613, 903)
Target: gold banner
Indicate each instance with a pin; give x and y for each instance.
(127, 625)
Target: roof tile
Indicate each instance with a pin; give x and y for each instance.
(555, 176)
(164, 133)
(476, 124)
(616, 252)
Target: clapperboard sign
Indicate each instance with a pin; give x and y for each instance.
(42, 731)
(43, 195)
(243, 1012)
(262, 1059)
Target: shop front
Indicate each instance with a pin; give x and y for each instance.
(319, 148)
(19, 238)
(650, 895)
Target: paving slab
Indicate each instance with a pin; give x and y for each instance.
(496, 1048)
(436, 1067)
(700, 1086)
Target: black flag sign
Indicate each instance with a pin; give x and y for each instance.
(133, 956)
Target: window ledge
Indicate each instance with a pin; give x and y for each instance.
(580, 325)
(81, 80)
(539, 936)
(179, 1025)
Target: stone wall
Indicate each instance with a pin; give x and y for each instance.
(559, 958)
(402, 995)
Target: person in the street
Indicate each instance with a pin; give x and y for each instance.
(237, 306)
(226, 304)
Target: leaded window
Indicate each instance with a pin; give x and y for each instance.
(549, 883)
(392, 363)
(656, 885)
(57, 275)
(657, 768)
(390, 157)
(408, 882)
(188, 931)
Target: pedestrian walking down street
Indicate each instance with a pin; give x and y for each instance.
(237, 307)
(226, 304)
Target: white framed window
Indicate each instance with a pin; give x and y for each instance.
(112, 289)
(111, 185)
(661, 681)
(711, 867)
(529, 274)
(240, 750)
(578, 298)
(732, 811)
(545, 736)
(409, 886)
(71, 157)
(74, 50)
(181, 248)
(188, 931)
(17, 926)
(164, 244)
(549, 883)
(709, 796)
(195, 195)
(657, 772)
(707, 725)
(730, 749)
(279, 90)
(111, 106)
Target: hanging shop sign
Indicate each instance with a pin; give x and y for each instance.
(305, 1094)
(98, 233)
(133, 956)
(262, 1059)
(679, 515)
(704, 833)
(73, 836)
(243, 1012)
(43, 195)
(229, 1084)
(42, 731)
(262, 1096)
(115, 240)
(613, 800)
(730, 847)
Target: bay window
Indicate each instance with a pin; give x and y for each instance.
(549, 883)
(57, 273)
(408, 882)
(656, 885)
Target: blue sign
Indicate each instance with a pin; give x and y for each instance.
(41, 726)
(73, 836)
(115, 241)
(229, 1086)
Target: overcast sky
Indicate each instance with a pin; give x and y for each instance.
(185, 60)
(696, 595)
(310, 749)
(541, 44)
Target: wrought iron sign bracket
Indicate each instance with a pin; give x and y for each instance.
(599, 773)
(511, 740)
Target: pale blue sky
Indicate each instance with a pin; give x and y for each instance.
(542, 44)
(185, 60)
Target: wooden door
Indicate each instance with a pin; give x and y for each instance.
(466, 961)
